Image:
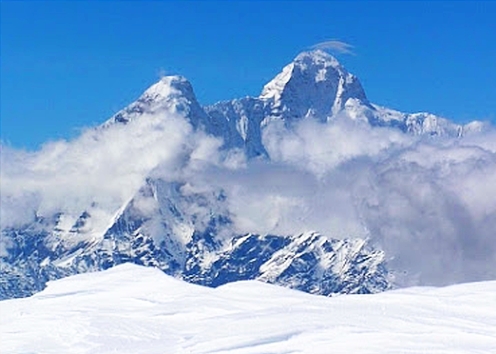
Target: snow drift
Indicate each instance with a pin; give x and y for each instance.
(132, 309)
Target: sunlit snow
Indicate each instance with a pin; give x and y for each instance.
(132, 309)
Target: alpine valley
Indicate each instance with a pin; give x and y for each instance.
(169, 207)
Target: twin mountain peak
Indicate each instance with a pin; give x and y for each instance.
(314, 85)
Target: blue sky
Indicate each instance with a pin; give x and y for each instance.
(71, 64)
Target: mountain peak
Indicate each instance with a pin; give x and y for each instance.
(317, 57)
(313, 84)
(171, 93)
(169, 86)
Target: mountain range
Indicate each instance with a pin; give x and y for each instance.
(186, 231)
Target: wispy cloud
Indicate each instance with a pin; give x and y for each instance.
(161, 73)
(335, 46)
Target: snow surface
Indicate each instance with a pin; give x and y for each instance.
(132, 309)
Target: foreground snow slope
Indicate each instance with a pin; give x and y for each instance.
(132, 309)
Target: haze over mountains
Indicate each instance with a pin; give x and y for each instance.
(309, 185)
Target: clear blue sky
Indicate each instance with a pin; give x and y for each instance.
(71, 64)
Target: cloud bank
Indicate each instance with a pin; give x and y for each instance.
(429, 203)
(102, 168)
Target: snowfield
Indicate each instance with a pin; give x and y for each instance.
(133, 309)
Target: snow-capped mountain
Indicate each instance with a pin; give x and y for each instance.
(170, 95)
(187, 233)
(314, 85)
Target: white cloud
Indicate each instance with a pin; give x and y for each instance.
(319, 147)
(429, 203)
(103, 167)
(335, 46)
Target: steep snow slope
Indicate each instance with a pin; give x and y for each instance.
(170, 95)
(131, 309)
(315, 85)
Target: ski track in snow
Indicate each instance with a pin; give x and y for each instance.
(132, 309)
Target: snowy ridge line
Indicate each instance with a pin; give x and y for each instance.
(132, 309)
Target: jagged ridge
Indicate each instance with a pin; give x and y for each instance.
(313, 86)
(308, 262)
